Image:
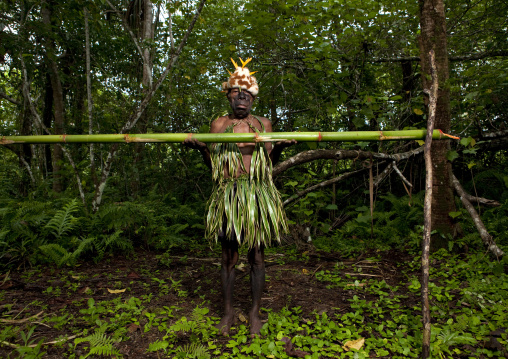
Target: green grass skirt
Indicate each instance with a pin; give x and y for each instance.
(249, 211)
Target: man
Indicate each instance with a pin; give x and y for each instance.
(245, 208)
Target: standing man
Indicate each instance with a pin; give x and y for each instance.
(245, 207)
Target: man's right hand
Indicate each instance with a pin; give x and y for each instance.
(194, 144)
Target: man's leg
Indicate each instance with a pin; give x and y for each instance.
(257, 279)
(227, 274)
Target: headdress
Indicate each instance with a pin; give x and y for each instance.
(241, 78)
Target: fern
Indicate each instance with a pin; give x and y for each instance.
(193, 350)
(158, 345)
(60, 256)
(56, 253)
(63, 221)
(100, 344)
(112, 242)
(183, 325)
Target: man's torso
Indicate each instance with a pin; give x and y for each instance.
(246, 125)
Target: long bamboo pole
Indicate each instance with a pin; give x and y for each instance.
(227, 137)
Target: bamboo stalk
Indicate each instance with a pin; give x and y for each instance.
(227, 137)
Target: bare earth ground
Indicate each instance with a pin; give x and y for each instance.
(290, 282)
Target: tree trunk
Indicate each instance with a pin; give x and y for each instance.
(58, 101)
(47, 118)
(25, 155)
(433, 37)
(89, 95)
(131, 122)
(146, 36)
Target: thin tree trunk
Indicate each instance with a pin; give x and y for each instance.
(25, 155)
(484, 234)
(433, 37)
(26, 94)
(58, 101)
(89, 96)
(147, 36)
(99, 189)
(428, 207)
(47, 119)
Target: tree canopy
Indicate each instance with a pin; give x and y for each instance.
(157, 66)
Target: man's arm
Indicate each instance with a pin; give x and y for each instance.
(215, 127)
(202, 147)
(277, 147)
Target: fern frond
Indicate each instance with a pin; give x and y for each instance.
(83, 245)
(158, 345)
(63, 221)
(100, 344)
(60, 256)
(56, 253)
(194, 350)
(183, 325)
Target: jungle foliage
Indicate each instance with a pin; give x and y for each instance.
(325, 65)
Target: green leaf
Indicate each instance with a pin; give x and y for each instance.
(332, 207)
(465, 141)
(454, 214)
(452, 155)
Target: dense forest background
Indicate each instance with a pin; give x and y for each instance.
(78, 67)
(355, 208)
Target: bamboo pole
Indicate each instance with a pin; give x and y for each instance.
(227, 137)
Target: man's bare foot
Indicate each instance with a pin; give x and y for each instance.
(225, 324)
(255, 325)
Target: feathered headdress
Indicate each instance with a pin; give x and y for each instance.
(241, 78)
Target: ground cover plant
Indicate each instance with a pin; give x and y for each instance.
(315, 305)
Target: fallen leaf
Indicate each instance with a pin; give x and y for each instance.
(132, 275)
(116, 291)
(132, 327)
(305, 271)
(75, 277)
(84, 290)
(354, 344)
(355, 285)
(242, 318)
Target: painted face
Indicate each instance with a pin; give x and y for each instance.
(241, 102)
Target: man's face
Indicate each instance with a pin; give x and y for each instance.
(241, 102)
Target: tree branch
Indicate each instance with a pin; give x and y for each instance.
(10, 99)
(496, 134)
(308, 156)
(481, 200)
(469, 57)
(404, 179)
(127, 27)
(321, 185)
(484, 234)
(22, 159)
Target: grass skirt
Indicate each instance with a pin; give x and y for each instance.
(247, 205)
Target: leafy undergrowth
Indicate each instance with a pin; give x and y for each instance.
(314, 306)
